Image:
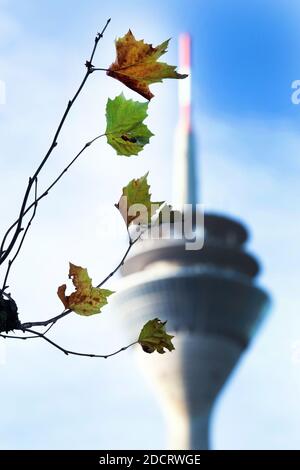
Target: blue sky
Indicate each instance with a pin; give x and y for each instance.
(246, 57)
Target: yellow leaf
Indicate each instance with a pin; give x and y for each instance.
(154, 337)
(136, 65)
(135, 204)
(86, 300)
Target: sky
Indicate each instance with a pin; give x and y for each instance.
(246, 55)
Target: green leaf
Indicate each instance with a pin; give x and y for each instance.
(137, 194)
(125, 130)
(154, 337)
(86, 300)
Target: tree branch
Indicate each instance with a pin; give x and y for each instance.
(130, 245)
(46, 192)
(74, 353)
(53, 320)
(37, 334)
(17, 337)
(4, 253)
(10, 263)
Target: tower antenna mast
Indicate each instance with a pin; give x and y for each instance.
(185, 185)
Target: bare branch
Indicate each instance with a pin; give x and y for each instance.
(4, 253)
(46, 192)
(74, 353)
(120, 264)
(17, 337)
(10, 263)
(53, 320)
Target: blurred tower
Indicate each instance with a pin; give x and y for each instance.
(209, 297)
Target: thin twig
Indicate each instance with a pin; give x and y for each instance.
(130, 245)
(46, 192)
(18, 337)
(49, 328)
(10, 263)
(4, 253)
(74, 353)
(53, 320)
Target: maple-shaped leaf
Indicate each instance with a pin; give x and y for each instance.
(154, 337)
(137, 64)
(86, 300)
(135, 204)
(125, 130)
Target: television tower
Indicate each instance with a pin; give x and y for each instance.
(209, 297)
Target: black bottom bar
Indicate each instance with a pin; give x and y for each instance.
(137, 459)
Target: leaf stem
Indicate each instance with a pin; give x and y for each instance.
(96, 69)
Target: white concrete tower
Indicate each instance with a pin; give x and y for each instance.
(209, 298)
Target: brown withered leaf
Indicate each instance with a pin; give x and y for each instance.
(137, 67)
(85, 300)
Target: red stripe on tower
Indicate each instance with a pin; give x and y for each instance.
(185, 63)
